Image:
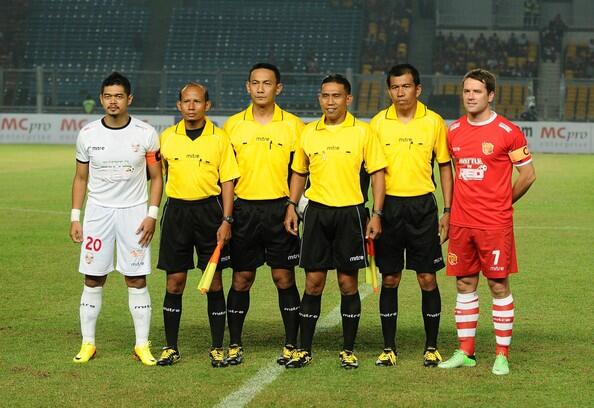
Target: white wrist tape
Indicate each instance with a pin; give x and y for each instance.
(74, 215)
(153, 211)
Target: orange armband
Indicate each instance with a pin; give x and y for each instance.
(153, 157)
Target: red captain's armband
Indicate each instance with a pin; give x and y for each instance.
(520, 155)
(153, 157)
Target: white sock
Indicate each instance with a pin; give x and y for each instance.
(139, 301)
(90, 306)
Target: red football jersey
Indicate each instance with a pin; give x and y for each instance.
(484, 155)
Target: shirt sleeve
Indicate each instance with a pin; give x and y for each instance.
(82, 154)
(228, 169)
(373, 155)
(300, 161)
(519, 154)
(299, 125)
(153, 141)
(441, 148)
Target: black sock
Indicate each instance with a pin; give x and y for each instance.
(389, 315)
(238, 304)
(216, 317)
(431, 307)
(350, 309)
(308, 317)
(172, 309)
(288, 303)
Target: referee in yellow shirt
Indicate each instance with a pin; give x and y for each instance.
(331, 150)
(263, 138)
(199, 167)
(413, 138)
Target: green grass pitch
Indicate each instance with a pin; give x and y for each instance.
(551, 357)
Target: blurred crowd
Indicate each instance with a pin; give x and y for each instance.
(505, 57)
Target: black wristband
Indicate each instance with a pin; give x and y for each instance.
(293, 203)
(447, 210)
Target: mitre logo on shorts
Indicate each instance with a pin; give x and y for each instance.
(488, 148)
(452, 258)
(225, 258)
(294, 256)
(89, 257)
(356, 258)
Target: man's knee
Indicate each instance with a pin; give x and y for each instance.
(391, 281)
(137, 282)
(243, 281)
(427, 281)
(348, 282)
(176, 282)
(95, 281)
(467, 284)
(283, 278)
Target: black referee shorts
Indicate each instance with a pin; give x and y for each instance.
(259, 236)
(189, 225)
(333, 238)
(410, 224)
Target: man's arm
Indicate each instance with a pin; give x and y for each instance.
(224, 231)
(526, 176)
(296, 191)
(447, 185)
(148, 225)
(378, 189)
(79, 189)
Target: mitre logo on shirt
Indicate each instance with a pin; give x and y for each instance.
(471, 168)
(488, 148)
(262, 139)
(405, 140)
(97, 148)
(332, 147)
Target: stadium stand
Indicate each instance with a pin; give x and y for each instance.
(91, 37)
(224, 35)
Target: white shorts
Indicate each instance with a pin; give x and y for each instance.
(103, 229)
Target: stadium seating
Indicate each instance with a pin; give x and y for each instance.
(225, 35)
(77, 43)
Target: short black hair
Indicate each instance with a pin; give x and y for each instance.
(196, 84)
(117, 79)
(266, 65)
(339, 79)
(403, 69)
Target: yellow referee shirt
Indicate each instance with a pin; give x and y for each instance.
(193, 168)
(263, 152)
(410, 149)
(332, 155)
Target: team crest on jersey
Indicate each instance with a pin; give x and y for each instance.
(488, 148)
(452, 258)
(89, 258)
(135, 147)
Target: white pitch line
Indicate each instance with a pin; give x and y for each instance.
(33, 210)
(556, 228)
(267, 374)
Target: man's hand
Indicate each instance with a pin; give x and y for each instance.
(224, 233)
(292, 221)
(444, 228)
(146, 231)
(374, 227)
(76, 233)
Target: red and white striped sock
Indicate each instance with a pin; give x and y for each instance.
(503, 321)
(467, 315)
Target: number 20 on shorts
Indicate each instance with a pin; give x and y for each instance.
(93, 244)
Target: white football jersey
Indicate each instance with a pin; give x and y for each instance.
(117, 161)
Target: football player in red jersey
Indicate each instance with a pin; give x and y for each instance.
(485, 147)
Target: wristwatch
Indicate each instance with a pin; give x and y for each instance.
(447, 210)
(379, 212)
(228, 218)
